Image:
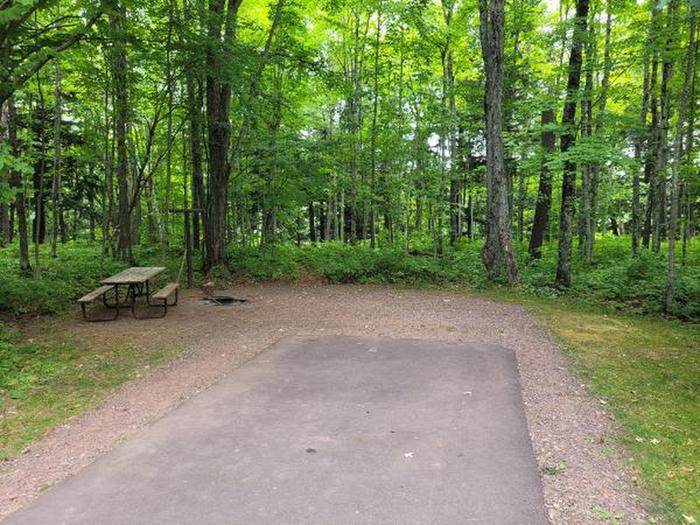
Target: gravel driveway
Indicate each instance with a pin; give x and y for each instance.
(583, 479)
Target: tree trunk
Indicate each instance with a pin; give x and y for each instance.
(652, 146)
(675, 165)
(222, 21)
(39, 222)
(4, 224)
(165, 234)
(497, 252)
(544, 192)
(39, 174)
(689, 151)
(312, 222)
(661, 160)
(595, 169)
(8, 127)
(373, 152)
(568, 192)
(638, 154)
(121, 115)
(354, 118)
(451, 132)
(108, 186)
(584, 212)
(328, 220)
(56, 184)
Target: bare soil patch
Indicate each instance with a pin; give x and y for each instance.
(584, 478)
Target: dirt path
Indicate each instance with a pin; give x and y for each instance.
(582, 479)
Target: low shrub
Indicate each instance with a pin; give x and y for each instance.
(613, 277)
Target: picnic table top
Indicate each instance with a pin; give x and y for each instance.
(134, 275)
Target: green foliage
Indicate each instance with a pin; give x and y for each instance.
(273, 262)
(626, 282)
(614, 278)
(63, 279)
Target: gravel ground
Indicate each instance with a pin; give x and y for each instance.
(583, 478)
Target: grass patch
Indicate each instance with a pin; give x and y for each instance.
(45, 382)
(647, 371)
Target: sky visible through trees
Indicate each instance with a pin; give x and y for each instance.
(416, 124)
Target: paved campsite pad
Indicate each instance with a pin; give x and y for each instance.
(326, 430)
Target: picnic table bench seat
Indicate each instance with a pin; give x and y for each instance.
(159, 300)
(97, 293)
(166, 292)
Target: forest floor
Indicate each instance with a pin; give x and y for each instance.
(586, 477)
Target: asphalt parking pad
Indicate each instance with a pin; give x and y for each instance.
(325, 430)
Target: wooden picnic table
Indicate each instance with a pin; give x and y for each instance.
(134, 275)
(136, 279)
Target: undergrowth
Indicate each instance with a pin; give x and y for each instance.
(613, 278)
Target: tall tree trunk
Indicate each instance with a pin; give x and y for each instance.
(652, 146)
(675, 165)
(194, 109)
(165, 234)
(312, 222)
(568, 193)
(661, 161)
(121, 115)
(8, 129)
(689, 151)
(590, 61)
(39, 222)
(108, 186)
(595, 168)
(373, 152)
(544, 192)
(195, 103)
(450, 138)
(497, 252)
(222, 21)
(39, 215)
(591, 58)
(56, 185)
(4, 224)
(639, 145)
(354, 117)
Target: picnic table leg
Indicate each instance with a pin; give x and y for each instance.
(148, 295)
(116, 304)
(116, 299)
(162, 306)
(132, 291)
(104, 301)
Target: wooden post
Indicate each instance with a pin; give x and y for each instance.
(187, 212)
(188, 248)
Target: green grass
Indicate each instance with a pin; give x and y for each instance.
(44, 382)
(647, 371)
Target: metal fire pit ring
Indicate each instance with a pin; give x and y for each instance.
(223, 300)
